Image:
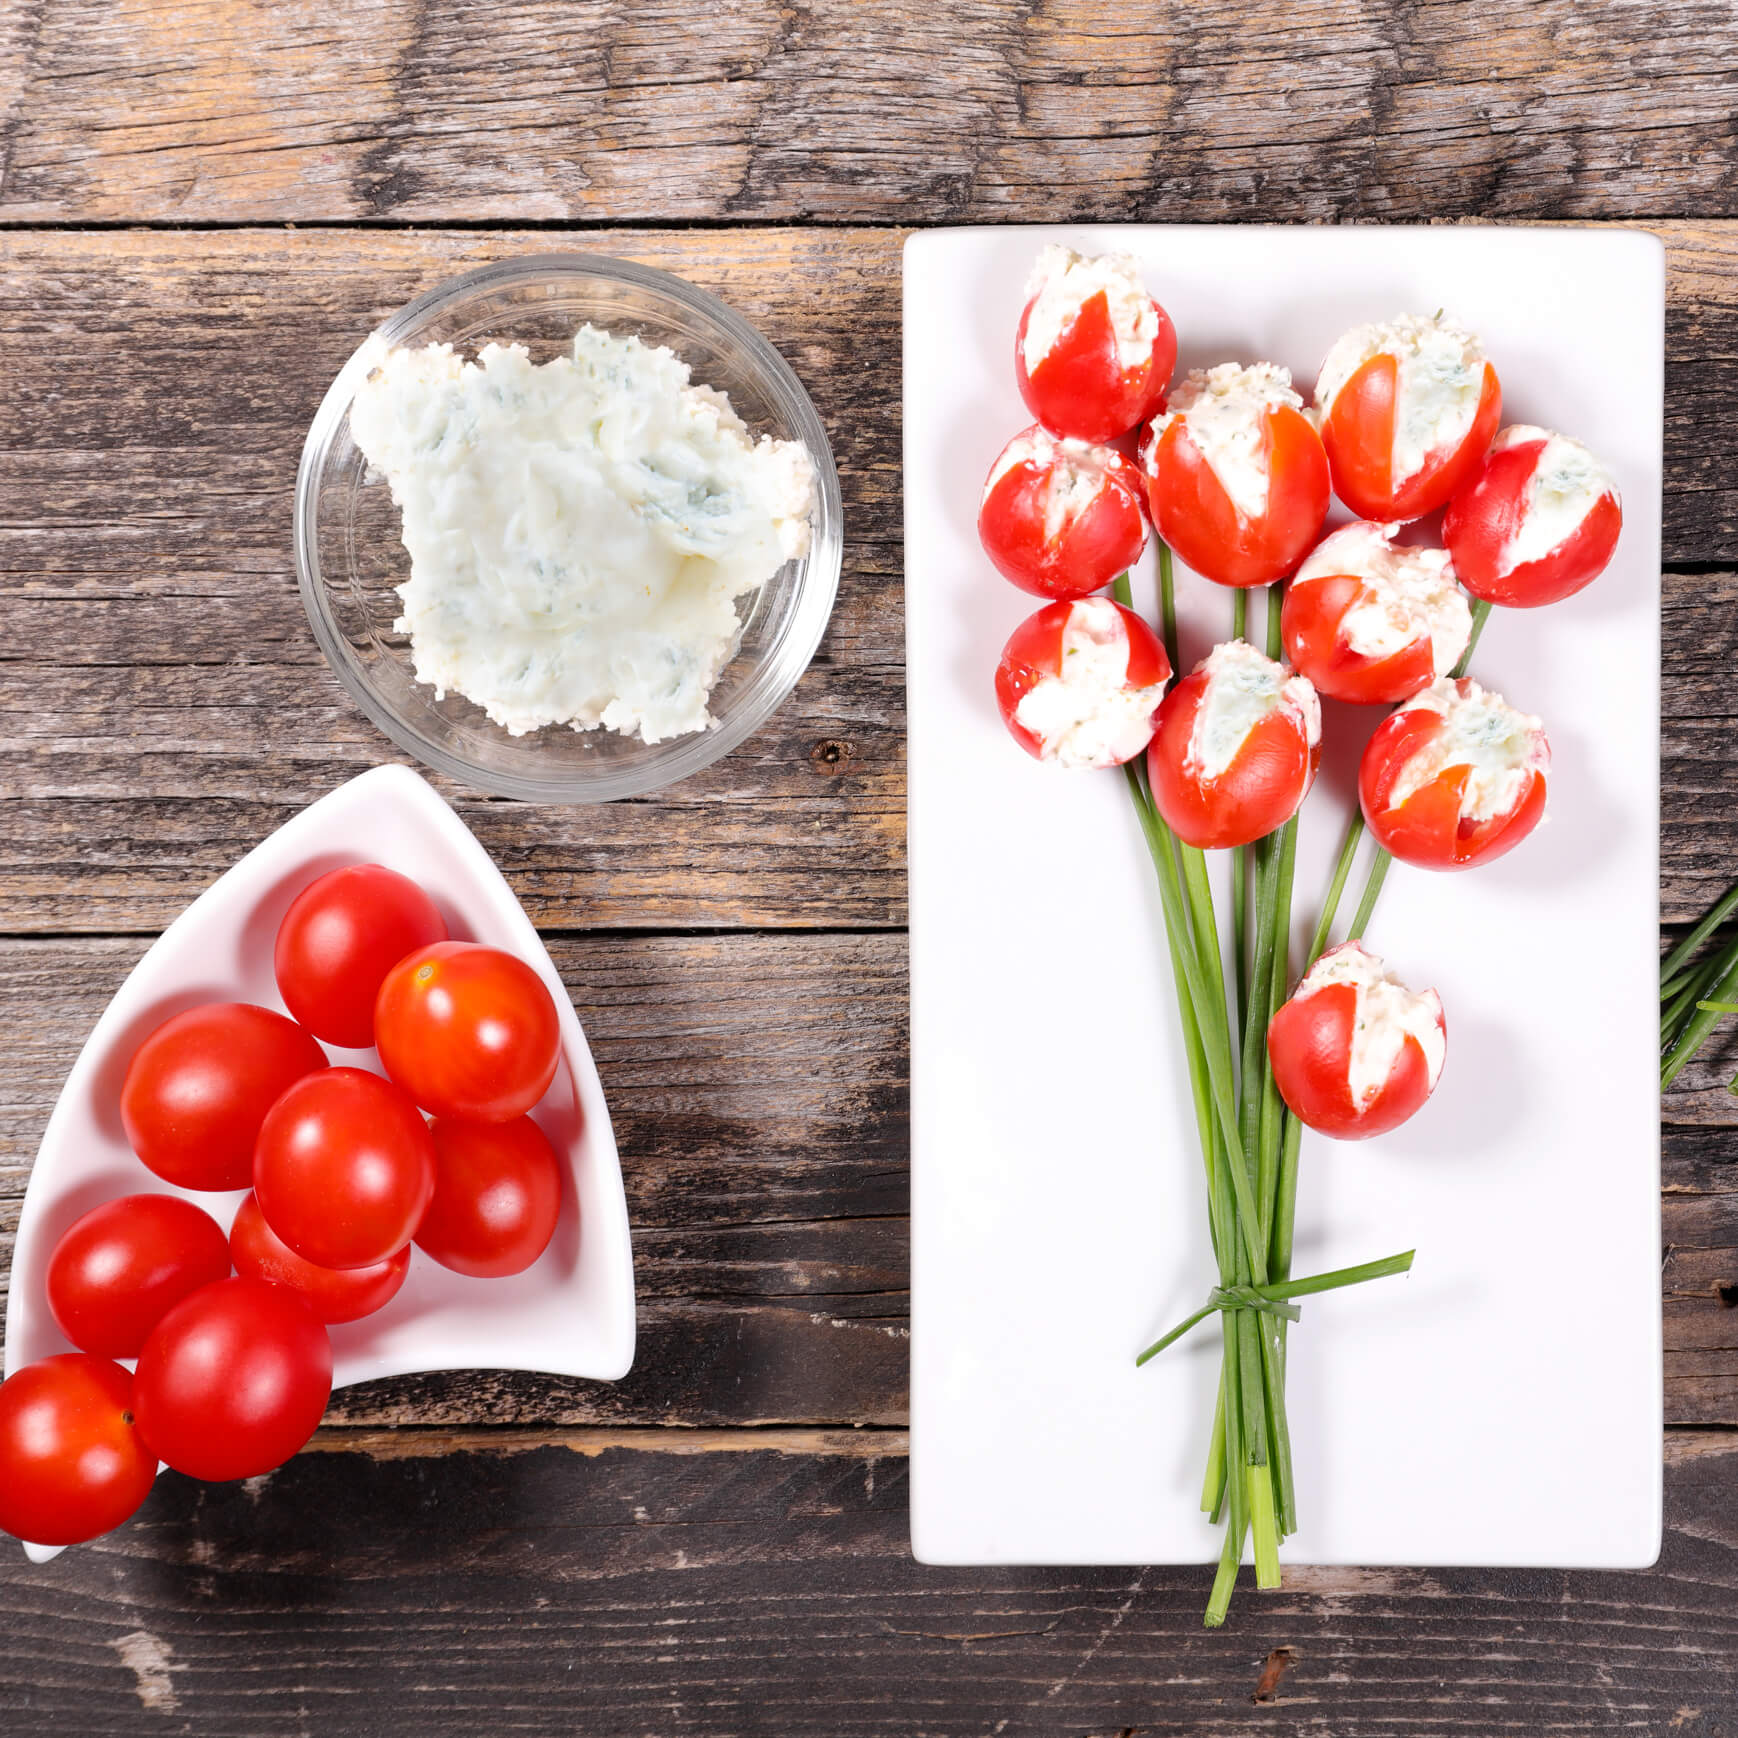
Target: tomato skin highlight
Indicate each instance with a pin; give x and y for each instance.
(1196, 516)
(344, 1168)
(497, 1197)
(468, 1031)
(334, 1294)
(233, 1380)
(121, 1266)
(198, 1088)
(1081, 387)
(1095, 542)
(72, 1462)
(1488, 512)
(340, 937)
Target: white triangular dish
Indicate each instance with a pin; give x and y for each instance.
(572, 1314)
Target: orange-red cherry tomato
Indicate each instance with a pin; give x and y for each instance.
(334, 1294)
(497, 1196)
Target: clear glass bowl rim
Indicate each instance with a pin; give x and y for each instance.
(781, 664)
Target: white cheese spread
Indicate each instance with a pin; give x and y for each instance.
(1439, 375)
(1243, 687)
(579, 530)
(1089, 715)
(1063, 282)
(1076, 472)
(1225, 411)
(1386, 1014)
(1501, 748)
(1408, 594)
(1566, 484)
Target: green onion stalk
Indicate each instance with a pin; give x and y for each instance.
(1249, 1143)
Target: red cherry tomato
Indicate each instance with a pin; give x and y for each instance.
(1372, 622)
(468, 1031)
(1398, 444)
(1094, 351)
(344, 1168)
(497, 1196)
(333, 1294)
(1455, 777)
(1061, 518)
(233, 1380)
(72, 1464)
(1537, 522)
(199, 1087)
(1079, 683)
(1354, 1052)
(118, 1268)
(1236, 748)
(339, 939)
(1236, 476)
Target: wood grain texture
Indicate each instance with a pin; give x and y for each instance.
(758, 1088)
(864, 110)
(766, 1591)
(163, 706)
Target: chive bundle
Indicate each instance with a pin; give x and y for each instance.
(1698, 983)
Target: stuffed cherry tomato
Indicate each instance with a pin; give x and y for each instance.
(1236, 749)
(1373, 622)
(1354, 1052)
(1236, 475)
(1061, 518)
(1407, 411)
(1080, 683)
(1536, 523)
(1094, 351)
(1454, 777)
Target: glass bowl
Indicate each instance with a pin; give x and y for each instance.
(349, 556)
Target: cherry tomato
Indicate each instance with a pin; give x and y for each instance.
(1079, 683)
(1455, 777)
(468, 1031)
(1370, 621)
(1407, 413)
(118, 1268)
(199, 1087)
(1537, 522)
(1354, 1052)
(233, 1380)
(339, 939)
(1236, 476)
(497, 1196)
(344, 1168)
(1061, 518)
(1236, 748)
(72, 1464)
(333, 1294)
(1094, 350)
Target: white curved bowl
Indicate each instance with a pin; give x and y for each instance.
(571, 1314)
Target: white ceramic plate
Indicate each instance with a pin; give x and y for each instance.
(1503, 1404)
(572, 1313)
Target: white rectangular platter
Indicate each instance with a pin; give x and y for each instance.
(1502, 1404)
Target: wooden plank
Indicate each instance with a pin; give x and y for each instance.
(863, 110)
(758, 1088)
(163, 707)
(549, 1588)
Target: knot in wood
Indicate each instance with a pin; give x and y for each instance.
(830, 757)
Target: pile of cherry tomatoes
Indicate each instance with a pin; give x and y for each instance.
(234, 1369)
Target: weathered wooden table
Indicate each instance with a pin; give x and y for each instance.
(205, 205)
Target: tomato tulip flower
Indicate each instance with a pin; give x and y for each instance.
(1454, 777)
(1354, 1052)
(1236, 748)
(1537, 522)
(1061, 518)
(1236, 475)
(1407, 411)
(1372, 621)
(1079, 683)
(1094, 351)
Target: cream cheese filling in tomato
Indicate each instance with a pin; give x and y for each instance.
(1243, 687)
(1386, 1014)
(1063, 282)
(1077, 473)
(1088, 715)
(1564, 488)
(1500, 747)
(1225, 410)
(1407, 593)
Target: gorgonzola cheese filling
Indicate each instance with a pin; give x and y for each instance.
(1387, 1014)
